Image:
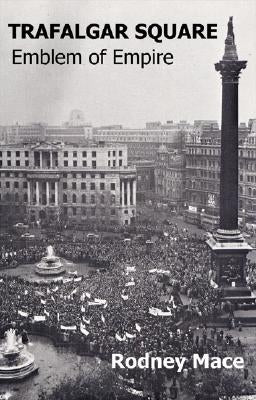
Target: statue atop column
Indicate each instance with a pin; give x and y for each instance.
(230, 29)
(230, 47)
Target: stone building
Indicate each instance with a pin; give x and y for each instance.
(203, 175)
(170, 177)
(47, 182)
(144, 143)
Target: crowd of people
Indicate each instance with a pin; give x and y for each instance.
(132, 307)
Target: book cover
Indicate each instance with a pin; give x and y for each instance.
(127, 199)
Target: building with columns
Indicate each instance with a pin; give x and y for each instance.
(47, 182)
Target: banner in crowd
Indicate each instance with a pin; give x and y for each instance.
(39, 318)
(68, 328)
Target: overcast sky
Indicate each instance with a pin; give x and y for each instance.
(114, 94)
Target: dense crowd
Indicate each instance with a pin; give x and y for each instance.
(133, 307)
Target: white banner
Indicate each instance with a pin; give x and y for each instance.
(68, 328)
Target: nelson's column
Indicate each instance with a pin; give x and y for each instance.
(227, 245)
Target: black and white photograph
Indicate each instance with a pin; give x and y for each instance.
(127, 200)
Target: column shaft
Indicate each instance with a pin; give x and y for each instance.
(128, 191)
(56, 193)
(37, 193)
(41, 159)
(50, 159)
(122, 190)
(229, 157)
(47, 193)
(28, 192)
(134, 193)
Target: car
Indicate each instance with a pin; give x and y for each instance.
(27, 235)
(20, 225)
(92, 236)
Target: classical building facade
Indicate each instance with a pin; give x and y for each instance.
(48, 182)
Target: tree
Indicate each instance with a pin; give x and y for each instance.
(101, 384)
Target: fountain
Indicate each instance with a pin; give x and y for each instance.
(16, 362)
(50, 265)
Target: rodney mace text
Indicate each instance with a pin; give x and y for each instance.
(118, 57)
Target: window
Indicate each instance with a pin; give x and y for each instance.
(26, 163)
(83, 198)
(93, 199)
(26, 153)
(17, 163)
(65, 163)
(92, 176)
(102, 199)
(16, 185)
(74, 176)
(92, 186)
(74, 185)
(25, 198)
(75, 154)
(113, 199)
(1, 154)
(102, 186)
(65, 198)
(17, 153)
(83, 174)
(93, 164)
(83, 211)
(65, 185)
(93, 154)
(8, 154)
(93, 212)
(112, 186)
(113, 211)
(114, 153)
(73, 198)
(84, 154)
(74, 210)
(74, 163)
(84, 163)
(108, 163)
(25, 185)
(65, 153)
(102, 176)
(120, 163)
(120, 153)
(114, 163)
(65, 175)
(7, 184)
(108, 153)
(9, 163)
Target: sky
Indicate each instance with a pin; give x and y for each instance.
(125, 94)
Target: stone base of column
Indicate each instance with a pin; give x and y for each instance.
(228, 253)
(230, 236)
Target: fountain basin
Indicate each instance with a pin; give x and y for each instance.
(16, 362)
(50, 265)
(21, 368)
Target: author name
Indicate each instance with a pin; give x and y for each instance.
(149, 362)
